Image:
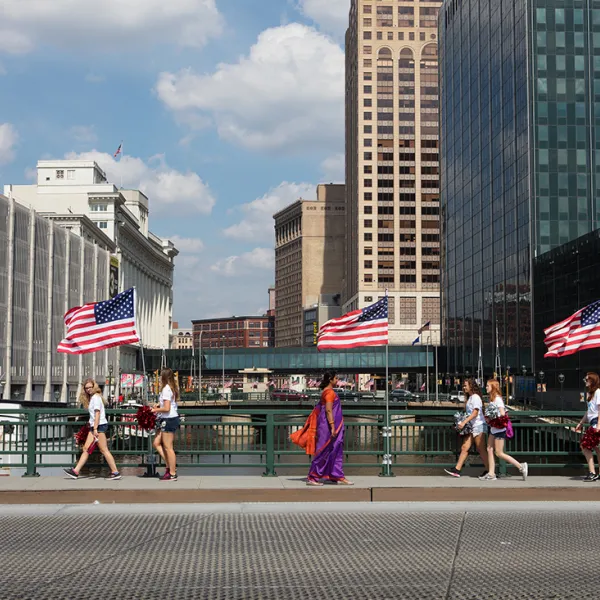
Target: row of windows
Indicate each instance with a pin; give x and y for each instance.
(403, 183)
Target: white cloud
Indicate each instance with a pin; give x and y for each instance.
(329, 15)
(334, 168)
(106, 24)
(245, 264)
(288, 92)
(166, 188)
(257, 225)
(8, 140)
(187, 245)
(83, 133)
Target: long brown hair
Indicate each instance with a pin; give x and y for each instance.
(594, 383)
(495, 393)
(167, 377)
(474, 387)
(84, 397)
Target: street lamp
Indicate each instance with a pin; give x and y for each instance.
(542, 375)
(561, 379)
(200, 367)
(223, 341)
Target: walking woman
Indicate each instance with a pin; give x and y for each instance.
(92, 400)
(329, 445)
(474, 410)
(168, 422)
(497, 437)
(592, 384)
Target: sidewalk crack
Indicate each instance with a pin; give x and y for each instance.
(456, 551)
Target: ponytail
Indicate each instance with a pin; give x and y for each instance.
(328, 376)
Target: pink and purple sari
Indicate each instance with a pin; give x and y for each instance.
(329, 452)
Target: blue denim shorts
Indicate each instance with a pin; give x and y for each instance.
(593, 422)
(101, 428)
(170, 425)
(479, 429)
(501, 435)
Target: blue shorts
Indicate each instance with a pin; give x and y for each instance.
(101, 428)
(170, 425)
(478, 429)
(594, 422)
(501, 435)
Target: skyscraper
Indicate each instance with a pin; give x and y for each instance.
(520, 103)
(392, 163)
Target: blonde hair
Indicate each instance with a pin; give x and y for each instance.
(84, 397)
(495, 393)
(167, 377)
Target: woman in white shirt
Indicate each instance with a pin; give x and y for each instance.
(592, 384)
(497, 437)
(168, 423)
(474, 410)
(91, 399)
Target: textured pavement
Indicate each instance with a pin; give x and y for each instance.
(445, 551)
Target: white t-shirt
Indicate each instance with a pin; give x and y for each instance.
(592, 406)
(473, 403)
(500, 404)
(167, 394)
(97, 404)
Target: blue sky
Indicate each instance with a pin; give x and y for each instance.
(228, 111)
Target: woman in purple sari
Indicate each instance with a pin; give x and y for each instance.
(329, 447)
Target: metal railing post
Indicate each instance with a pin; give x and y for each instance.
(30, 470)
(386, 463)
(270, 443)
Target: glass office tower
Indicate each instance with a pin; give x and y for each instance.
(519, 114)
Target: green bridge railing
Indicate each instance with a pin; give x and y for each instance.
(32, 439)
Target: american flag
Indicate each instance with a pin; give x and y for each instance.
(118, 151)
(101, 325)
(579, 332)
(364, 327)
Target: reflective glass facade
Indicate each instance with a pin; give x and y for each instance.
(296, 360)
(518, 151)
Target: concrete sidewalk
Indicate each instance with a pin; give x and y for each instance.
(224, 489)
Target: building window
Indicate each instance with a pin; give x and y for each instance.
(380, 35)
(367, 116)
(60, 174)
(99, 207)
(367, 49)
(368, 196)
(367, 62)
(366, 35)
(367, 9)
(411, 36)
(367, 129)
(368, 156)
(401, 36)
(368, 278)
(422, 36)
(368, 237)
(367, 89)
(71, 174)
(368, 223)
(367, 22)
(368, 210)
(390, 36)
(368, 264)
(368, 183)
(368, 143)
(103, 224)
(368, 102)
(368, 251)
(368, 169)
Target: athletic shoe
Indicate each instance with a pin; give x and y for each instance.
(113, 476)
(72, 473)
(488, 477)
(483, 476)
(591, 477)
(524, 471)
(453, 471)
(173, 476)
(166, 477)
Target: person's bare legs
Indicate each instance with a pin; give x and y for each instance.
(499, 448)
(84, 455)
(481, 448)
(157, 443)
(464, 451)
(589, 456)
(108, 457)
(171, 460)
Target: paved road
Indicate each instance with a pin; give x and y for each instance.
(433, 551)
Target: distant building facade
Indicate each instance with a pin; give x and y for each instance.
(234, 332)
(328, 307)
(181, 338)
(309, 258)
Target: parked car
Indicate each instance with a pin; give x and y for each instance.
(402, 396)
(289, 395)
(458, 397)
(346, 395)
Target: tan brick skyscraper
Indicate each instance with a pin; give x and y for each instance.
(392, 162)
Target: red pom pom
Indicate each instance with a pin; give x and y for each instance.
(591, 438)
(82, 434)
(146, 418)
(499, 423)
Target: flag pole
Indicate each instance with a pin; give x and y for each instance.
(387, 430)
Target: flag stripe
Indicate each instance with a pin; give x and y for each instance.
(101, 325)
(580, 331)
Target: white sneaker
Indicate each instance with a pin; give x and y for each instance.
(488, 477)
(524, 471)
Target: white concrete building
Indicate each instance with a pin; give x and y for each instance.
(42, 266)
(75, 194)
